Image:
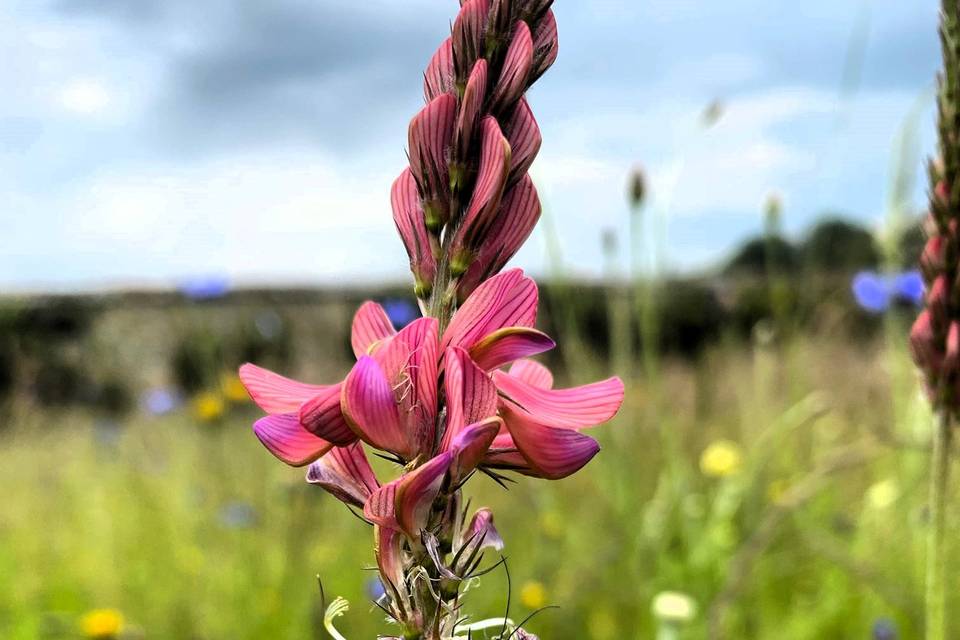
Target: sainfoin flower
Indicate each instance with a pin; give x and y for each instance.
(455, 392)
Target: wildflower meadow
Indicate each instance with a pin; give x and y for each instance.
(602, 444)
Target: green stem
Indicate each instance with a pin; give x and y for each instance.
(936, 625)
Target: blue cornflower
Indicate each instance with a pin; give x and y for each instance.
(884, 629)
(238, 515)
(161, 401)
(876, 293)
(401, 311)
(205, 287)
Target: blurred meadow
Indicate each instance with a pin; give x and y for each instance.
(753, 285)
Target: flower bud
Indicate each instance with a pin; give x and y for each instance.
(439, 76)
(411, 223)
(932, 260)
(923, 346)
(431, 133)
(523, 134)
(468, 37)
(514, 223)
(467, 121)
(637, 189)
(951, 359)
(546, 46)
(487, 194)
(937, 301)
(516, 70)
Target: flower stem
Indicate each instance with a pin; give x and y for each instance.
(936, 541)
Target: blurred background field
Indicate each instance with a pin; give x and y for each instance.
(186, 186)
(769, 463)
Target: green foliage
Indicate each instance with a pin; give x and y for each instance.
(835, 245)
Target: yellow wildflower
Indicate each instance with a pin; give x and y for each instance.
(721, 459)
(233, 388)
(533, 595)
(883, 494)
(208, 407)
(102, 624)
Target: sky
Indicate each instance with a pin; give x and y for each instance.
(146, 142)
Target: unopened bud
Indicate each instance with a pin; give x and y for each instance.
(952, 358)
(637, 189)
(516, 70)
(468, 36)
(932, 260)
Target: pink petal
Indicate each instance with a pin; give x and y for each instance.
(274, 393)
(546, 46)
(533, 373)
(503, 454)
(481, 526)
(438, 78)
(551, 452)
(513, 224)
(516, 70)
(283, 436)
(322, 416)
(371, 325)
(390, 559)
(346, 473)
(430, 136)
(410, 364)
(487, 195)
(411, 223)
(380, 506)
(370, 408)
(470, 447)
(468, 34)
(470, 109)
(416, 492)
(576, 408)
(471, 394)
(507, 345)
(523, 132)
(505, 300)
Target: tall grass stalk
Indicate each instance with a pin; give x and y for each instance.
(936, 542)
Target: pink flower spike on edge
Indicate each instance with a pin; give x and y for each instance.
(370, 408)
(507, 345)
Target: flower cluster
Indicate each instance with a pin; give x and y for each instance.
(455, 392)
(935, 338)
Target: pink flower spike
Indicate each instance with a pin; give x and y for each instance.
(533, 373)
(370, 407)
(470, 447)
(552, 453)
(438, 78)
(322, 416)
(523, 133)
(346, 473)
(507, 345)
(546, 46)
(411, 223)
(487, 195)
(471, 395)
(576, 408)
(371, 326)
(513, 224)
(505, 300)
(416, 492)
(430, 135)
(516, 70)
(468, 35)
(482, 530)
(283, 436)
(274, 393)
